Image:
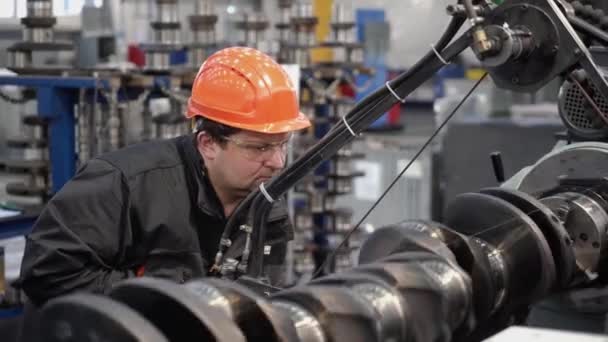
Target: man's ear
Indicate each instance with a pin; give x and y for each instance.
(207, 147)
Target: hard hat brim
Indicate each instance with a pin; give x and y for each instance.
(299, 123)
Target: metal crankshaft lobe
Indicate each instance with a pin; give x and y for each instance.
(407, 296)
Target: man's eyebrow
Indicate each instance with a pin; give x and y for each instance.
(254, 140)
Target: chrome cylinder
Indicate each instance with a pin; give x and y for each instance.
(38, 34)
(356, 55)
(37, 181)
(167, 13)
(35, 153)
(256, 17)
(252, 37)
(304, 38)
(84, 149)
(341, 166)
(302, 10)
(308, 328)
(342, 223)
(341, 109)
(343, 262)
(303, 263)
(283, 35)
(196, 56)
(284, 15)
(158, 60)
(303, 220)
(212, 296)
(453, 285)
(498, 270)
(339, 54)
(587, 224)
(205, 7)
(341, 185)
(40, 9)
(115, 125)
(203, 36)
(341, 13)
(317, 203)
(98, 139)
(20, 59)
(167, 36)
(301, 57)
(343, 35)
(37, 132)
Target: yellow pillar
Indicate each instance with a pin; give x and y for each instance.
(322, 10)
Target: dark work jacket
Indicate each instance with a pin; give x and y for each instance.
(146, 205)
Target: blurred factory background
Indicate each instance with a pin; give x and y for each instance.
(97, 75)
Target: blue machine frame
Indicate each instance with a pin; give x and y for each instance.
(57, 97)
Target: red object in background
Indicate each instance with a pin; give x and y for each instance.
(346, 90)
(394, 114)
(136, 55)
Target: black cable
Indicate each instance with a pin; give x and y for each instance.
(332, 255)
(589, 28)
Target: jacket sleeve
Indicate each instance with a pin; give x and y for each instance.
(78, 240)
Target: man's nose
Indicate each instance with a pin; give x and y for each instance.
(276, 160)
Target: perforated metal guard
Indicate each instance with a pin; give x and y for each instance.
(578, 115)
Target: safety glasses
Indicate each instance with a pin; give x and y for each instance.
(258, 151)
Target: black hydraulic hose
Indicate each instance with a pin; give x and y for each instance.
(588, 28)
(371, 100)
(334, 141)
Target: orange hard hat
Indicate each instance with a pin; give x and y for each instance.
(244, 88)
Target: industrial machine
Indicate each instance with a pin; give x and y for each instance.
(87, 110)
(38, 36)
(202, 25)
(498, 250)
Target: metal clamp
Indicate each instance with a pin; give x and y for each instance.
(265, 193)
(439, 55)
(348, 127)
(242, 267)
(388, 86)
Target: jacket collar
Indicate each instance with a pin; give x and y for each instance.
(205, 196)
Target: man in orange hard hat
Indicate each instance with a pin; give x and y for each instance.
(159, 208)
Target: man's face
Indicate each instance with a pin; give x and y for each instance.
(247, 159)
